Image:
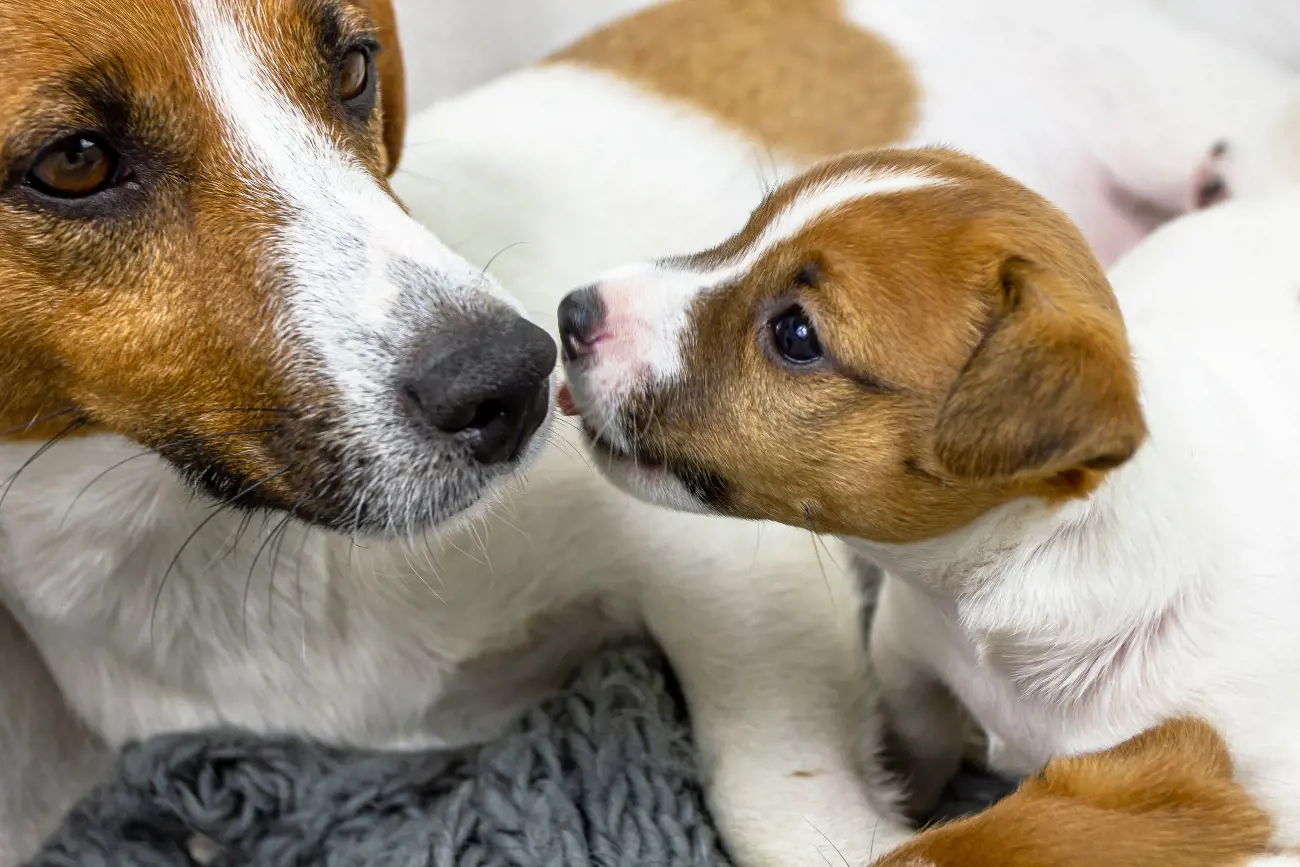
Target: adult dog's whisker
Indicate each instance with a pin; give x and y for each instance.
(276, 548)
(252, 567)
(161, 448)
(41, 419)
(220, 509)
(51, 443)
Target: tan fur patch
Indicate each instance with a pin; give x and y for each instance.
(1167, 798)
(152, 317)
(793, 74)
(939, 397)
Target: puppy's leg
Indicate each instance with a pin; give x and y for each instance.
(926, 722)
(47, 757)
(770, 655)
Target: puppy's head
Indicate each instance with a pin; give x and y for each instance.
(199, 250)
(1166, 797)
(895, 343)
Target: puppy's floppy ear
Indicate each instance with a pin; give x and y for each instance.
(392, 80)
(1050, 389)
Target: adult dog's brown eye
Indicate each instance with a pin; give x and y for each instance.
(75, 167)
(354, 75)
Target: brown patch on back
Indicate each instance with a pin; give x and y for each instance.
(791, 73)
(1166, 797)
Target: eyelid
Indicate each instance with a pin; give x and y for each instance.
(366, 41)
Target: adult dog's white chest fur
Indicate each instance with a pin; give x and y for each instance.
(202, 616)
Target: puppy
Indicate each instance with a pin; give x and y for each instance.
(585, 162)
(234, 370)
(1165, 797)
(263, 436)
(1084, 506)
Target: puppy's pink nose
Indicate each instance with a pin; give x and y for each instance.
(582, 322)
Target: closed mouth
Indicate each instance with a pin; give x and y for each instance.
(605, 448)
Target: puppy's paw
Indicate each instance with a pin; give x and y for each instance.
(1210, 185)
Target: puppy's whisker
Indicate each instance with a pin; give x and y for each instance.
(828, 843)
(419, 573)
(817, 551)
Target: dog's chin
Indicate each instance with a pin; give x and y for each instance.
(644, 479)
(442, 499)
(368, 488)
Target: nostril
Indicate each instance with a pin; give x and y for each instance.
(494, 410)
(577, 345)
(582, 318)
(502, 426)
(487, 386)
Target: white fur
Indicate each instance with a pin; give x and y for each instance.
(441, 640)
(342, 231)
(646, 304)
(1089, 104)
(647, 318)
(1269, 27)
(1172, 589)
(152, 613)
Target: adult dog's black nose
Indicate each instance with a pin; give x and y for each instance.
(582, 316)
(484, 382)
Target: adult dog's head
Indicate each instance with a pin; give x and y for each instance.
(199, 251)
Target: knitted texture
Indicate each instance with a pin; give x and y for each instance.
(602, 775)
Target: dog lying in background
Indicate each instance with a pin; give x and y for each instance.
(1083, 505)
(1165, 797)
(586, 161)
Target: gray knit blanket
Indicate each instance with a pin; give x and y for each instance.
(601, 775)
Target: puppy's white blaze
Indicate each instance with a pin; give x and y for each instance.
(1273, 861)
(341, 231)
(670, 291)
(812, 204)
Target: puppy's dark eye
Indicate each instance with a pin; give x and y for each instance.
(795, 338)
(76, 167)
(354, 75)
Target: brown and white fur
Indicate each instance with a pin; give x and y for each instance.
(1166, 797)
(913, 352)
(229, 495)
(241, 310)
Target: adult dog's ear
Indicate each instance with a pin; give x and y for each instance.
(392, 81)
(1050, 392)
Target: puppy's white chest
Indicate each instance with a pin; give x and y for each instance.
(1034, 700)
